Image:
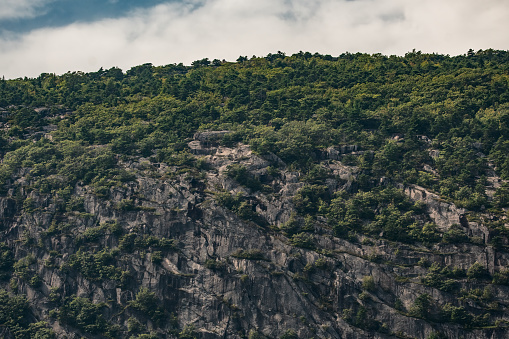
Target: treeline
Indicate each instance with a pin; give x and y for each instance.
(394, 108)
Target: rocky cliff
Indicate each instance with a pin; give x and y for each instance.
(179, 251)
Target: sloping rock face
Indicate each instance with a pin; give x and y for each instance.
(443, 213)
(224, 275)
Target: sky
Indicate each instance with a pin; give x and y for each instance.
(57, 36)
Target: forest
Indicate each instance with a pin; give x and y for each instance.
(435, 121)
(293, 106)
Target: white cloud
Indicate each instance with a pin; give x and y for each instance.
(15, 9)
(183, 32)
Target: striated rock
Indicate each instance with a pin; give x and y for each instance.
(335, 152)
(226, 274)
(7, 209)
(434, 153)
(443, 213)
(209, 138)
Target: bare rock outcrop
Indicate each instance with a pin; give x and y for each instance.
(228, 275)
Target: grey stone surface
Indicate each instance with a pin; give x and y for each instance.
(269, 296)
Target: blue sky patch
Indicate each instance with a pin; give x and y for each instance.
(64, 12)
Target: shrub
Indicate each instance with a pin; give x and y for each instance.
(22, 268)
(126, 205)
(240, 206)
(242, 176)
(456, 314)
(398, 305)
(75, 204)
(146, 302)
(188, 332)
(477, 271)
(92, 234)
(368, 283)
(501, 277)
(436, 280)
(134, 326)
(428, 234)
(423, 262)
(364, 321)
(214, 265)
(308, 199)
(146, 336)
(364, 296)
(156, 257)
(436, 335)
(131, 241)
(96, 266)
(83, 314)
(245, 211)
(501, 196)
(229, 201)
(252, 254)
(455, 235)
(6, 260)
(14, 315)
(291, 227)
(321, 263)
(302, 240)
(421, 307)
(253, 334)
(126, 243)
(289, 334)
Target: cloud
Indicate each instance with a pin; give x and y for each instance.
(224, 29)
(16, 9)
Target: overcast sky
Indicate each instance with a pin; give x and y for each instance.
(56, 36)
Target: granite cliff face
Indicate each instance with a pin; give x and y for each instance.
(181, 252)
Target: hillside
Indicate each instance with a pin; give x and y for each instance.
(303, 196)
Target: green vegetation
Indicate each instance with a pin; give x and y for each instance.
(14, 315)
(309, 198)
(242, 176)
(96, 266)
(293, 106)
(146, 302)
(93, 234)
(501, 277)
(368, 283)
(6, 260)
(477, 271)
(386, 211)
(302, 240)
(241, 206)
(214, 265)
(83, 314)
(289, 334)
(70, 141)
(442, 278)
(421, 307)
(24, 269)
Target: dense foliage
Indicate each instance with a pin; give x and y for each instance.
(293, 106)
(432, 120)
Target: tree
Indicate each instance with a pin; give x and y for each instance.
(421, 307)
(477, 271)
